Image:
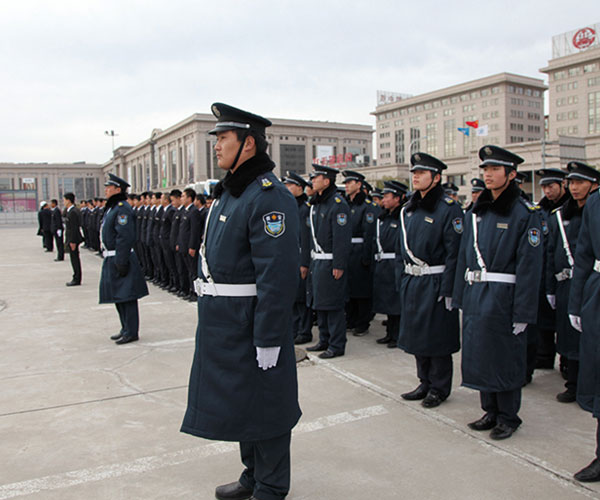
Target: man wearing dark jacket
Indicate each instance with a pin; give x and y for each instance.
(57, 231)
(45, 220)
(73, 236)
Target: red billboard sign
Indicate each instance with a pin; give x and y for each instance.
(584, 37)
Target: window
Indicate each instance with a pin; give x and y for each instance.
(528, 92)
(173, 165)
(516, 126)
(484, 104)
(431, 138)
(415, 143)
(189, 153)
(510, 89)
(449, 112)
(431, 116)
(399, 144)
(415, 119)
(536, 93)
(495, 90)
(593, 112)
(469, 107)
(535, 129)
(292, 157)
(516, 101)
(516, 138)
(533, 116)
(592, 82)
(589, 68)
(515, 113)
(6, 183)
(485, 92)
(559, 75)
(398, 123)
(454, 100)
(450, 137)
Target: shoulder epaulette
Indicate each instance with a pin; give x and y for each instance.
(307, 203)
(120, 203)
(448, 200)
(555, 210)
(368, 202)
(338, 199)
(264, 182)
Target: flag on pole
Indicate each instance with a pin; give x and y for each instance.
(482, 131)
(474, 124)
(465, 130)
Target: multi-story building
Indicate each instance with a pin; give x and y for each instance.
(574, 83)
(184, 153)
(510, 108)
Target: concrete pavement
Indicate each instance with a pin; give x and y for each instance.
(83, 418)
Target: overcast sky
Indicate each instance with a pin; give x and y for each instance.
(73, 69)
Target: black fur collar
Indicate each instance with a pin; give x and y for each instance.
(548, 205)
(428, 203)
(571, 209)
(501, 206)
(385, 213)
(115, 199)
(323, 197)
(359, 199)
(301, 199)
(237, 182)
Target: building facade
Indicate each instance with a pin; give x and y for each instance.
(184, 153)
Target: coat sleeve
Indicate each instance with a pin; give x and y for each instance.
(550, 250)
(528, 270)
(276, 259)
(461, 263)
(305, 236)
(368, 226)
(195, 229)
(341, 231)
(584, 259)
(124, 226)
(451, 239)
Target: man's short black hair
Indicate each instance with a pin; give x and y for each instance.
(259, 139)
(53, 200)
(190, 193)
(70, 197)
(131, 196)
(158, 194)
(176, 193)
(201, 199)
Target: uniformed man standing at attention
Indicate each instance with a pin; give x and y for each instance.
(386, 298)
(564, 224)
(556, 194)
(331, 234)
(451, 190)
(497, 280)
(73, 236)
(360, 273)
(243, 384)
(121, 280)
(302, 314)
(477, 187)
(431, 226)
(584, 304)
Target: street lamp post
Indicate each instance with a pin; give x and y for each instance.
(111, 134)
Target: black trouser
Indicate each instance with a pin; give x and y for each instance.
(60, 246)
(130, 318)
(392, 328)
(546, 350)
(572, 374)
(47, 235)
(302, 320)
(169, 260)
(358, 313)
(75, 263)
(503, 406)
(267, 464)
(192, 267)
(332, 330)
(435, 373)
(155, 256)
(182, 271)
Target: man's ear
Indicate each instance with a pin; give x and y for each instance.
(512, 174)
(249, 143)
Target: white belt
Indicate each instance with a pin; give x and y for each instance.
(384, 256)
(358, 240)
(565, 274)
(482, 276)
(597, 266)
(110, 253)
(320, 255)
(224, 289)
(415, 270)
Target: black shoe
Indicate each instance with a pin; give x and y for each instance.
(328, 354)
(303, 339)
(172, 289)
(192, 297)
(590, 473)
(393, 344)
(317, 347)
(180, 293)
(502, 431)
(419, 393)
(485, 423)
(360, 331)
(46, 251)
(566, 397)
(233, 491)
(58, 260)
(126, 340)
(541, 364)
(384, 340)
(432, 400)
(116, 336)
(73, 283)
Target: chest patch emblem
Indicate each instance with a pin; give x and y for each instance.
(370, 217)
(502, 225)
(544, 227)
(429, 219)
(222, 218)
(122, 220)
(457, 224)
(274, 224)
(534, 237)
(342, 219)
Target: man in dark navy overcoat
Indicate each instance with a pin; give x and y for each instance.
(243, 384)
(121, 281)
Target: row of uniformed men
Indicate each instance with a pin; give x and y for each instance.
(169, 231)
(431, 259)
(92, 213)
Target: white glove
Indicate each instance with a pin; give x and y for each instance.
(519, 328)
(267, 357)
(59, 232)
(551, 300)
(447, 302)
(575, 322)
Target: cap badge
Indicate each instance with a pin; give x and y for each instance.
(418, 157)
(216, 111)
(488, 151)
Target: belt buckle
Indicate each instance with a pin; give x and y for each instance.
(568, 272)
(198, 287)
(377, 257)
(476, 276)
(417, 271)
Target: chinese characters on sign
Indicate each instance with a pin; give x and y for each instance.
(338, 161)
